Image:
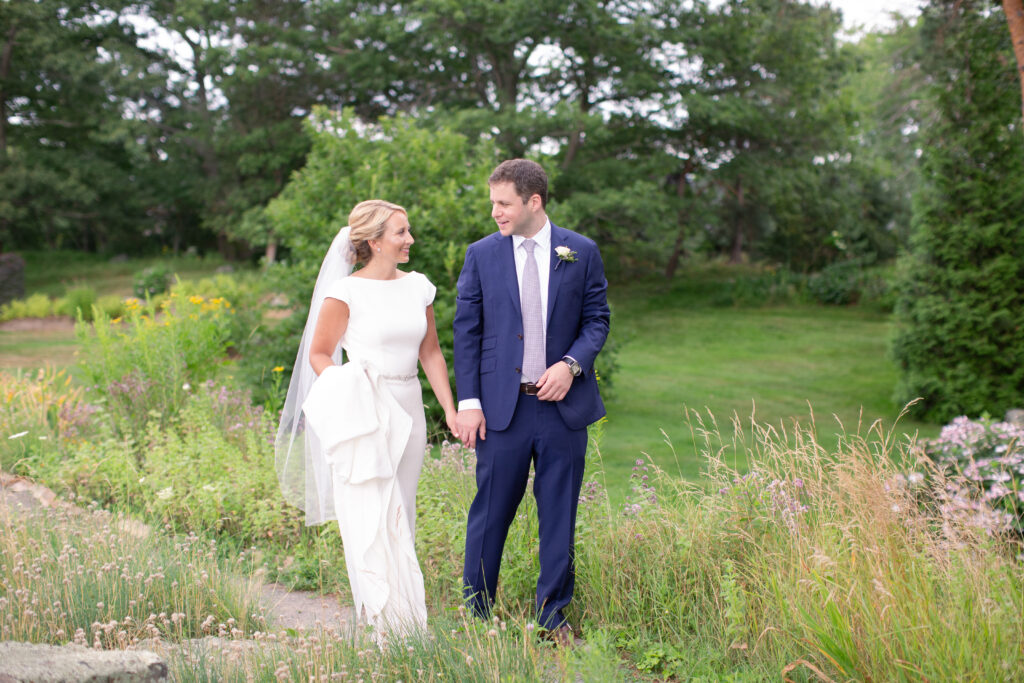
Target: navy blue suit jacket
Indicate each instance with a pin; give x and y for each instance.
(489, 326)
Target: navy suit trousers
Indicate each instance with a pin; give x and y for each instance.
(537, 434)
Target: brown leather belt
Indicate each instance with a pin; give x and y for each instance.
(528, 388)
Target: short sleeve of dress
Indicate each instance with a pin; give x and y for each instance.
(339, 289)
(429, 290)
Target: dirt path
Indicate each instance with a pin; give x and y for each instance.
(61, 324)
(288, 609)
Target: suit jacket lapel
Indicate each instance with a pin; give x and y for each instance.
(557, 268)
(506, 268)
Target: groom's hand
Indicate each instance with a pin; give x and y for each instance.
(555, 382)
(467, 423)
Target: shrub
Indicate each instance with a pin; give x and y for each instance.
(839, 283)
(79, 302)
(111, 305)
(151, 281)
(141, 367)
(761, 287)
(43, 418)
(35, 306)
(959, 341)
(989, 455)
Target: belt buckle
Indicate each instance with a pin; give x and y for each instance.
(528, 388)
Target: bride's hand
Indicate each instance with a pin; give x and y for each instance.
(449, 418)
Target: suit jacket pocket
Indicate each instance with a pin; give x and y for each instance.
(488, 364)
(488, 342)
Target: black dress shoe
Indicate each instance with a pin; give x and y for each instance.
(562, 636)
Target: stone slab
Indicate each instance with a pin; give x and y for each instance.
(23, 662)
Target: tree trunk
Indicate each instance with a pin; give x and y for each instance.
(5, 71)
(1014, 11)
(682, 220)
(736, 253)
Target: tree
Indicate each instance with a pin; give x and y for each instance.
(762, 104)
(960, 340)
(66, 155)
(438, 175)
(1014, 11)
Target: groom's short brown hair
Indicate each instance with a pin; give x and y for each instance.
(527, 176)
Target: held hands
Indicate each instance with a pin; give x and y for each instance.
(555, 382)
(467, 423)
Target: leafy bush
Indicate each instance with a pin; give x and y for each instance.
(851, 282)
(839, 283)
(990, 456)
(111, 305)
(759, 287)
(78, 302)
(151, 281)
(43, 418)
(35, 306)
(142, 367)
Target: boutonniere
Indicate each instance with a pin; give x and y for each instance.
(566, 254)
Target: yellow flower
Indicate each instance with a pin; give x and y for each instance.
(279, 368)
(195, 299)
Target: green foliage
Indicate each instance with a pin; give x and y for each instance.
(437, 175)
(142, 366)
(817, 555)
(151, 281)
(70, 170)
(78, 302)
(850, 282)
(35, 306)
(85, 576)
(959, 341)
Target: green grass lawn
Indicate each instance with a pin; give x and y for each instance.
(53, 274)
(776, 363)
(28, 349)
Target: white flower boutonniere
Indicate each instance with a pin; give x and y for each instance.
(566, 254)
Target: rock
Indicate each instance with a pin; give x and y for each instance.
(77, 664)
(1015, 417)
(12, 277)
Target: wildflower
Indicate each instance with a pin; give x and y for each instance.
(279, 368)
(186, 386)
(17, 436)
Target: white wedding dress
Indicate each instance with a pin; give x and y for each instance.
(376, 469)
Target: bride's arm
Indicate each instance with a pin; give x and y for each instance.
(436, 369)
(330, 326)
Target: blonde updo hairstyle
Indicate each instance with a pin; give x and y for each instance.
(367, 223)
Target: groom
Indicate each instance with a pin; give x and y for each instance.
(531, 317)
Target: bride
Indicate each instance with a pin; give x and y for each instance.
(352, 437)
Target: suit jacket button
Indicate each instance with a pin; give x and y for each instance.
(518, 371)
(519, 336)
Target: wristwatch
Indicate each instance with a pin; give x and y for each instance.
(574, 365)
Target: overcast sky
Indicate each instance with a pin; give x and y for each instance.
(871, 14)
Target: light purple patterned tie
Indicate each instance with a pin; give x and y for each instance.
(533, 320)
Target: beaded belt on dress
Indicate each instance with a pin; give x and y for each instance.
(398, 378)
